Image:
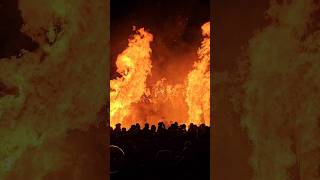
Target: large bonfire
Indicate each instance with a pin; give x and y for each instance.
(130, 90)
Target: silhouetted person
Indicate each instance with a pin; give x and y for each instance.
(138, 126)
(146, 126)
(118, 128)
(153, 129)
(183, 128)
(146, 131)
(132, 128)
(161, 128)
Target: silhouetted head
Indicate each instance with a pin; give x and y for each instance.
(161, 125)
(132, 127)
(153, 128)
(191, 127)
(124, 130)
(118, 126)
(146, 126)
(138, 126)
(183, 127)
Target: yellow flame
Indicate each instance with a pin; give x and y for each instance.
(134, 65)
(198, 83)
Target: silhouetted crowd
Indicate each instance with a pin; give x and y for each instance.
(156, 153)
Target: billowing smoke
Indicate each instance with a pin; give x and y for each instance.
(57, 88)
(282, 93)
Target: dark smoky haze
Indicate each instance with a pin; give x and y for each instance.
(53, 61)
(175, 26)
(266, 89)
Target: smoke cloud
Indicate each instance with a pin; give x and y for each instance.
(282, 93)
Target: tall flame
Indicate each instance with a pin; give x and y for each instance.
(134, 65)
(198, 83)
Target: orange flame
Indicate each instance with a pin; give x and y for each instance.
(198, 83)
(134, 65)
(168, 101)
